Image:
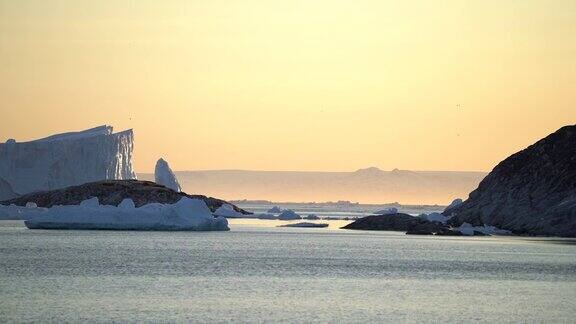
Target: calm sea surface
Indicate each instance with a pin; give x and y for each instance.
(260, 273)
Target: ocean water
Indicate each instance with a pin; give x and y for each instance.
(261, 273)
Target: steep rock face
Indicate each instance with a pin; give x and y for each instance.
(532, 192)
(163, 175)
(113, 192)
(64, 160)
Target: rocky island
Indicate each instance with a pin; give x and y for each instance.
(119, 205)
(532, 192)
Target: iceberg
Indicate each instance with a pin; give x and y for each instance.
(65, 160)
(185, 215)
(163, 175)
(274, 210)
(289, 215)
(226, 210)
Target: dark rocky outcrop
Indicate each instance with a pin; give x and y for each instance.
(112, 192)
(532, 192)
(396, 222)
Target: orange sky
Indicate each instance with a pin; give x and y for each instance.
(293, 85)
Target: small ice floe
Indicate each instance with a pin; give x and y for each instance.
(305, 224)
(312, 217)
(226, 210)
(289, 215)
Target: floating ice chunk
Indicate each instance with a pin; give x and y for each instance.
(466, 229)
(226, 210)
(288, 215)
(163, 175)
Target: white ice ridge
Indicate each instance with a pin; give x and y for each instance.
(163, 175)
(65, 160)
(185, 215)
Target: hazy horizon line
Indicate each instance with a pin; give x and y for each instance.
(313, 171)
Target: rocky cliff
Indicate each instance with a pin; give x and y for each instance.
(532, 192)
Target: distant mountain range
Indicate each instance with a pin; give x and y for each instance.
(370, 185)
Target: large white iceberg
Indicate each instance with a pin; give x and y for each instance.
(185, 215)
(65, 160)
(163, 175)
